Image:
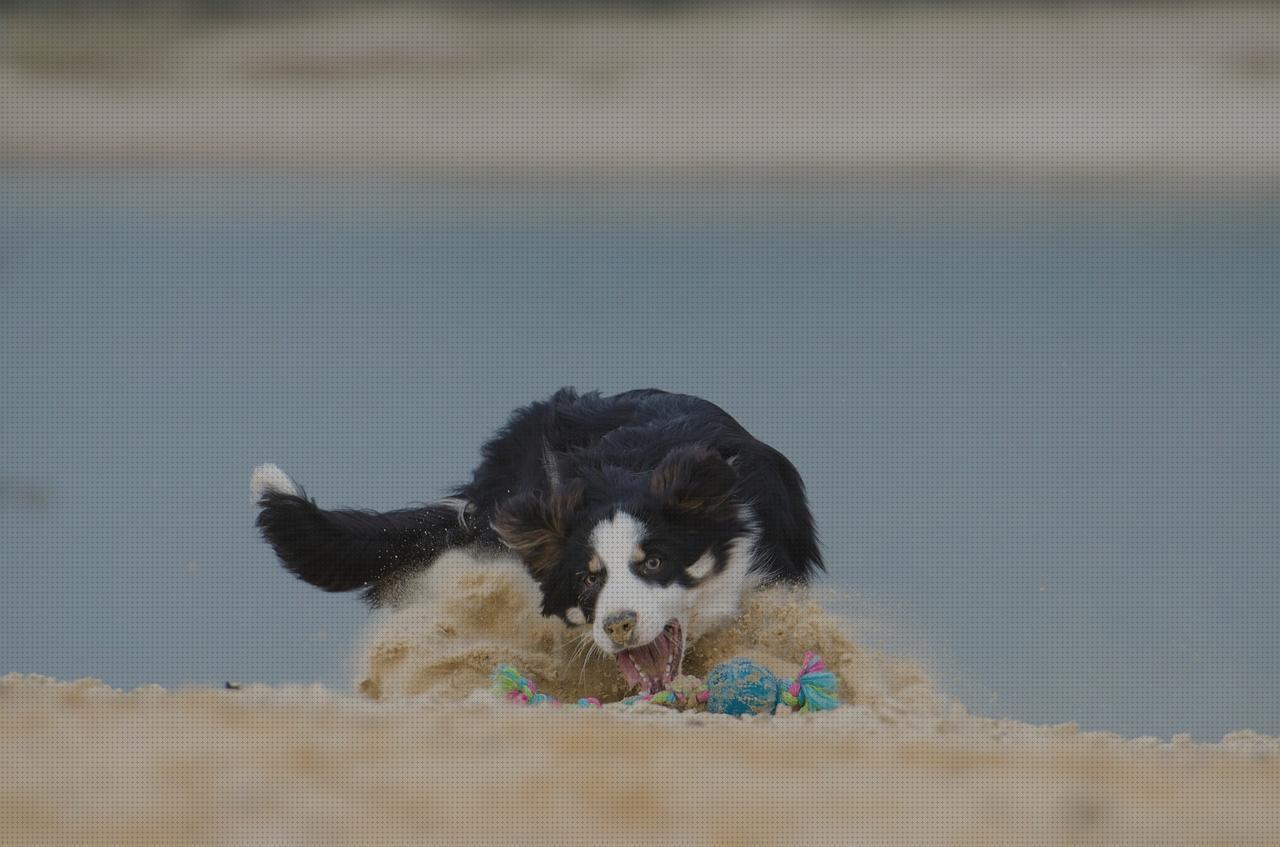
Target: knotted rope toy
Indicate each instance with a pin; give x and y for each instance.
(735, 687)
(508, 682)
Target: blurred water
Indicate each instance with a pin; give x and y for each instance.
(1039, 430)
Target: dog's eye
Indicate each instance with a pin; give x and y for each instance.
(652, 564)
(590, 579)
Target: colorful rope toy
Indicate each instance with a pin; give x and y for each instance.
(735, 687)
(813, 689)
(508, 682)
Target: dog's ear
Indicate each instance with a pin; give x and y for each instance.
(694, 480)
(535, 526)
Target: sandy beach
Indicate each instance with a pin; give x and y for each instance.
(417, 749)
(1185, 96)
(425, 754)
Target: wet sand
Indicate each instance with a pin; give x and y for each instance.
(1183, 96)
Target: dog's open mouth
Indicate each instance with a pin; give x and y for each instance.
(654, 666)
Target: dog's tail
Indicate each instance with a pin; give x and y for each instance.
(346, 549)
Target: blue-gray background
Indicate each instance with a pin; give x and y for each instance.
(1039, 430)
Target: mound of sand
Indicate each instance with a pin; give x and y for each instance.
(421, 757)
(462, 618)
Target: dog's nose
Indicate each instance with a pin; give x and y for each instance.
(620, 626)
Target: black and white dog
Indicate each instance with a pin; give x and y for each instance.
(645, 515)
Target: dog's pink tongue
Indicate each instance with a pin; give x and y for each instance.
(651, 666)
(629, 670)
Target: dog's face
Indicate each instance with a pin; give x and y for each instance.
(638, 557)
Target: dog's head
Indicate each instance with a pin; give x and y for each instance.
(638, 556)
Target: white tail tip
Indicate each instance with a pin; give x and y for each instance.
(269, 479)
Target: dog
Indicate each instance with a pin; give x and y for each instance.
(646, 516)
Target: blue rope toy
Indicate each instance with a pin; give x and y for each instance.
(735, 687)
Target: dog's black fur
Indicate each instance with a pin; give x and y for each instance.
(695, 476)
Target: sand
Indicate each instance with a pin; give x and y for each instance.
(1183, 96)
(421, 753)
(464, 616)
(417, 752)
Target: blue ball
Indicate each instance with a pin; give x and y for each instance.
(741, 687)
